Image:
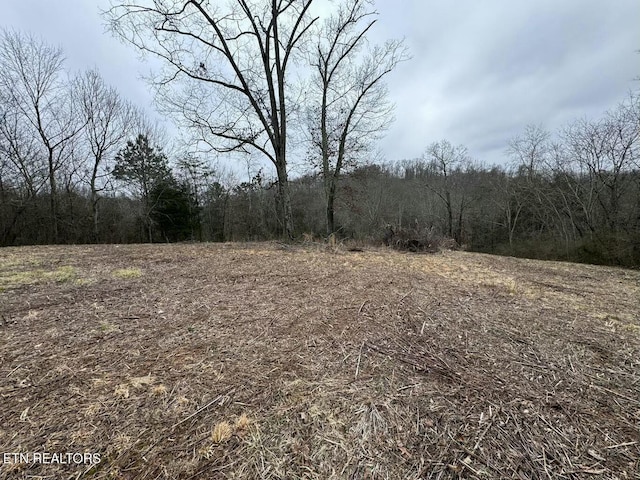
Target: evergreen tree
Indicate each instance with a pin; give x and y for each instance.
(141, 166)
(144, 169)
(176, 212)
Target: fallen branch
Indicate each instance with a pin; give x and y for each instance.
(201, 409)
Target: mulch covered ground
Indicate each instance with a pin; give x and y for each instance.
(288, 362)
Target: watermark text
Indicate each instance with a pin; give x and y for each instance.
(50, 458)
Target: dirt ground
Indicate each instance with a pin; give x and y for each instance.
(305, 362)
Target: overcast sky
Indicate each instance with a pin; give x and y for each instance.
(480, 70)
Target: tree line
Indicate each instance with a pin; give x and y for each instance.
(574, 196)
(79, 164)
(58, 135)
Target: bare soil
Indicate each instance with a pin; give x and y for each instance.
(288, 362)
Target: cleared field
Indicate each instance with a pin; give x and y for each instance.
(265, 361)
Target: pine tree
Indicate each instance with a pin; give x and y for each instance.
(143, 168)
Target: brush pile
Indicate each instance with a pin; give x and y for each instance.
(417, 239)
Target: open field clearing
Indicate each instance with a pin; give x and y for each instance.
(273, 362)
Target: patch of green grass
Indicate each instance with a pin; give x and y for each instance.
(13, 261)
(11, 279)
(62, 274)
(127, 273)
(27, 277)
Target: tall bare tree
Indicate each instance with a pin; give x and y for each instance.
(225, 70)
(447, 162)
(507, 201)
(533, 160)
(110, 120)
(31, 74)
(352, 108)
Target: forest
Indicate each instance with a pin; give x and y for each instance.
(80, 164)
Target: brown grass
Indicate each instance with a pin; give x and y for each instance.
(282, 362)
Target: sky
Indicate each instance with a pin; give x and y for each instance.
(480, 70)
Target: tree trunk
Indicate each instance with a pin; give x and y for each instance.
(53, 203)
(284, 203)
(449, 215)
(94, 209)
(331, 196)
(458, 237)
(94, 213)
(225, 204)
(94, 201)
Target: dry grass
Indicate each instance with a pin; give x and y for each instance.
(281, 362)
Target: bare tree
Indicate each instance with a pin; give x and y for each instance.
(197, 175)
(226, 70)
(110, 120)
(530, 150)
(30, 73)
(352, 109)
(533, 158)
(607, 149)
(508, 201)
(21, 156)
(447, 161)
(23, 172)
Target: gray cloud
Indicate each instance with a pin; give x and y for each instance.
(483, 70)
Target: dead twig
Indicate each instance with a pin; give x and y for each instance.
(201, 409)
(362, 306)
(598, 387)
(359, 356)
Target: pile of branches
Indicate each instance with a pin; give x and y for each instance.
(417, 239)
